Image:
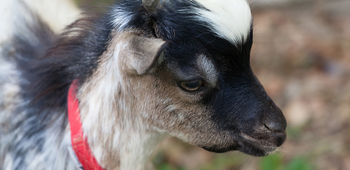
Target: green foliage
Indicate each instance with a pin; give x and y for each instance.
(275, 162)
(299, 164)
(223, 161)
(272, 162)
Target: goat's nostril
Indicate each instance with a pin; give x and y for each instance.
(267, 127)
(275, 126)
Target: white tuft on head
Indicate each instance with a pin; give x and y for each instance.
(121, 18)
(230, 19)
(208, 69)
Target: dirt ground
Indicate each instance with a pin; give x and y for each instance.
(301, 55)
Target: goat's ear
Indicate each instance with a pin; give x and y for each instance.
(143, 52)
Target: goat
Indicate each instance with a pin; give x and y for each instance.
(137, 73)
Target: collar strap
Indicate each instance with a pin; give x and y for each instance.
(79, 143)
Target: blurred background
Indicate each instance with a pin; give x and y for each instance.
(301, 55)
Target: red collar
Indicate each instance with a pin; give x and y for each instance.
(79, 144)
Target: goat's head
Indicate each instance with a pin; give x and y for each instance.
(186, 65)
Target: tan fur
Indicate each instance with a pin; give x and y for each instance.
(118, 112)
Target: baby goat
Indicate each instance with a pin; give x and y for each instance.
(129, 77)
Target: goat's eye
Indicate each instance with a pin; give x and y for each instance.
(192, 85)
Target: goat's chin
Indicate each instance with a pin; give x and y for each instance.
(247, 145)
(255, 147)
(247, 148)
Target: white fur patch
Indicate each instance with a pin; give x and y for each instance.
(208, 69)
(121, 18)
(7, 9)
(230, 19)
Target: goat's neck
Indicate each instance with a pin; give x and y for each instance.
(117, 134)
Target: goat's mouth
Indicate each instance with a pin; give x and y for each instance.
(249, 145)
(256, 147)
